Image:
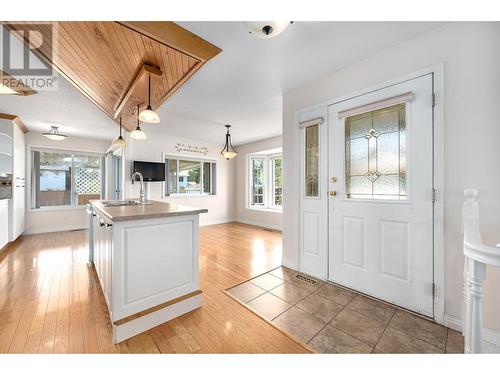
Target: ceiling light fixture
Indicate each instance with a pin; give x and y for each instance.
(137, 133)
(54, 134)
(228, 151)
(266, 29)
(120, 142)
(148, 115)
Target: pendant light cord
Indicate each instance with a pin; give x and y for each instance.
(149, 91)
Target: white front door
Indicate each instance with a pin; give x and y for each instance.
(381, 172)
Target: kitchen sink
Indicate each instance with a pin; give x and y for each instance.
(123, 203)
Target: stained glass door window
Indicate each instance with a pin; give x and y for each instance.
(312, 161)
(375, 154)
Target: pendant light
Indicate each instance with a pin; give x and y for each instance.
(137, 133)
(148, 115)
(54, 134)
(228, 151)
(120, 142)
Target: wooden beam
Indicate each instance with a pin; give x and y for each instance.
(6, 116)
(145, 72)
(15, 85)
(21, 124)
(102, 60)
(16, 120)
(175, 36)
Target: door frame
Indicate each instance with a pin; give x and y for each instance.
(437, 72)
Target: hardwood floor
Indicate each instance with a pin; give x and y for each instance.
(50, 301)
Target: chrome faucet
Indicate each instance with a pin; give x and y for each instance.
(141, 178)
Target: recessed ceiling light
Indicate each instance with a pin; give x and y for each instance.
(54, 134)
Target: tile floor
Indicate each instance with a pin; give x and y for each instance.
(333, 319)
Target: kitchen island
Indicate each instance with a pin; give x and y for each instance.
(146, 259)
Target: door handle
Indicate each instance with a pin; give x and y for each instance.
(332, 193)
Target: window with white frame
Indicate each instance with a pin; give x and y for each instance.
(190, 176)
(265, 181)
(65, 178)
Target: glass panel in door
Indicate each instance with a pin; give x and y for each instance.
(375, 154)
(311, 161)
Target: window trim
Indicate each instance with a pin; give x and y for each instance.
(272, 158)
(250, 204)
(208, 159)
(29, 177)
(268, 182)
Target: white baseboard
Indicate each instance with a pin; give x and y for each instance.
(54, 229)
(490, 336)
(258, 224)
(217, 221)
(289, 264)
(452, 322)
(77, 227)
(205, 223)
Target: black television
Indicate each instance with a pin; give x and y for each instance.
(150, 171)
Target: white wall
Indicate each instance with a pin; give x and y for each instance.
(50, 220)
(263, 218)
(220, 206)
(471, 56)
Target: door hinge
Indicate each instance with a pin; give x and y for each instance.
(434, 290)
(433, 195)
(433, 101)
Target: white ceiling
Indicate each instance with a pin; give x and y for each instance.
(242, 86)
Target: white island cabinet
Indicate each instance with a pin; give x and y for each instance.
(146, 260)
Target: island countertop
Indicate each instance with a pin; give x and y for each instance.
(147, 211)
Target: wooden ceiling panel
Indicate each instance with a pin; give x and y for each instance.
(106, 60)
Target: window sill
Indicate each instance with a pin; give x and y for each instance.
(197, 196)
(266, 209)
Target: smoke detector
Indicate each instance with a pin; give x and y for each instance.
(266, 29)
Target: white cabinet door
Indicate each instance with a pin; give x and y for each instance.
(19, 182)
(102, 249)
(381, 216)
(110, 266)
(20, 207)
(107, 264)
(16, 161)
(95, 237)
(4, 222)
(104, 276)
(98, 244)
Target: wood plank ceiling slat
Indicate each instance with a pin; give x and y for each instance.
(102, 59)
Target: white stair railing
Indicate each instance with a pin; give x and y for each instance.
(477, 256)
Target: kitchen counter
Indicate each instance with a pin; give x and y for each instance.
(146, 259)
(155, 209)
